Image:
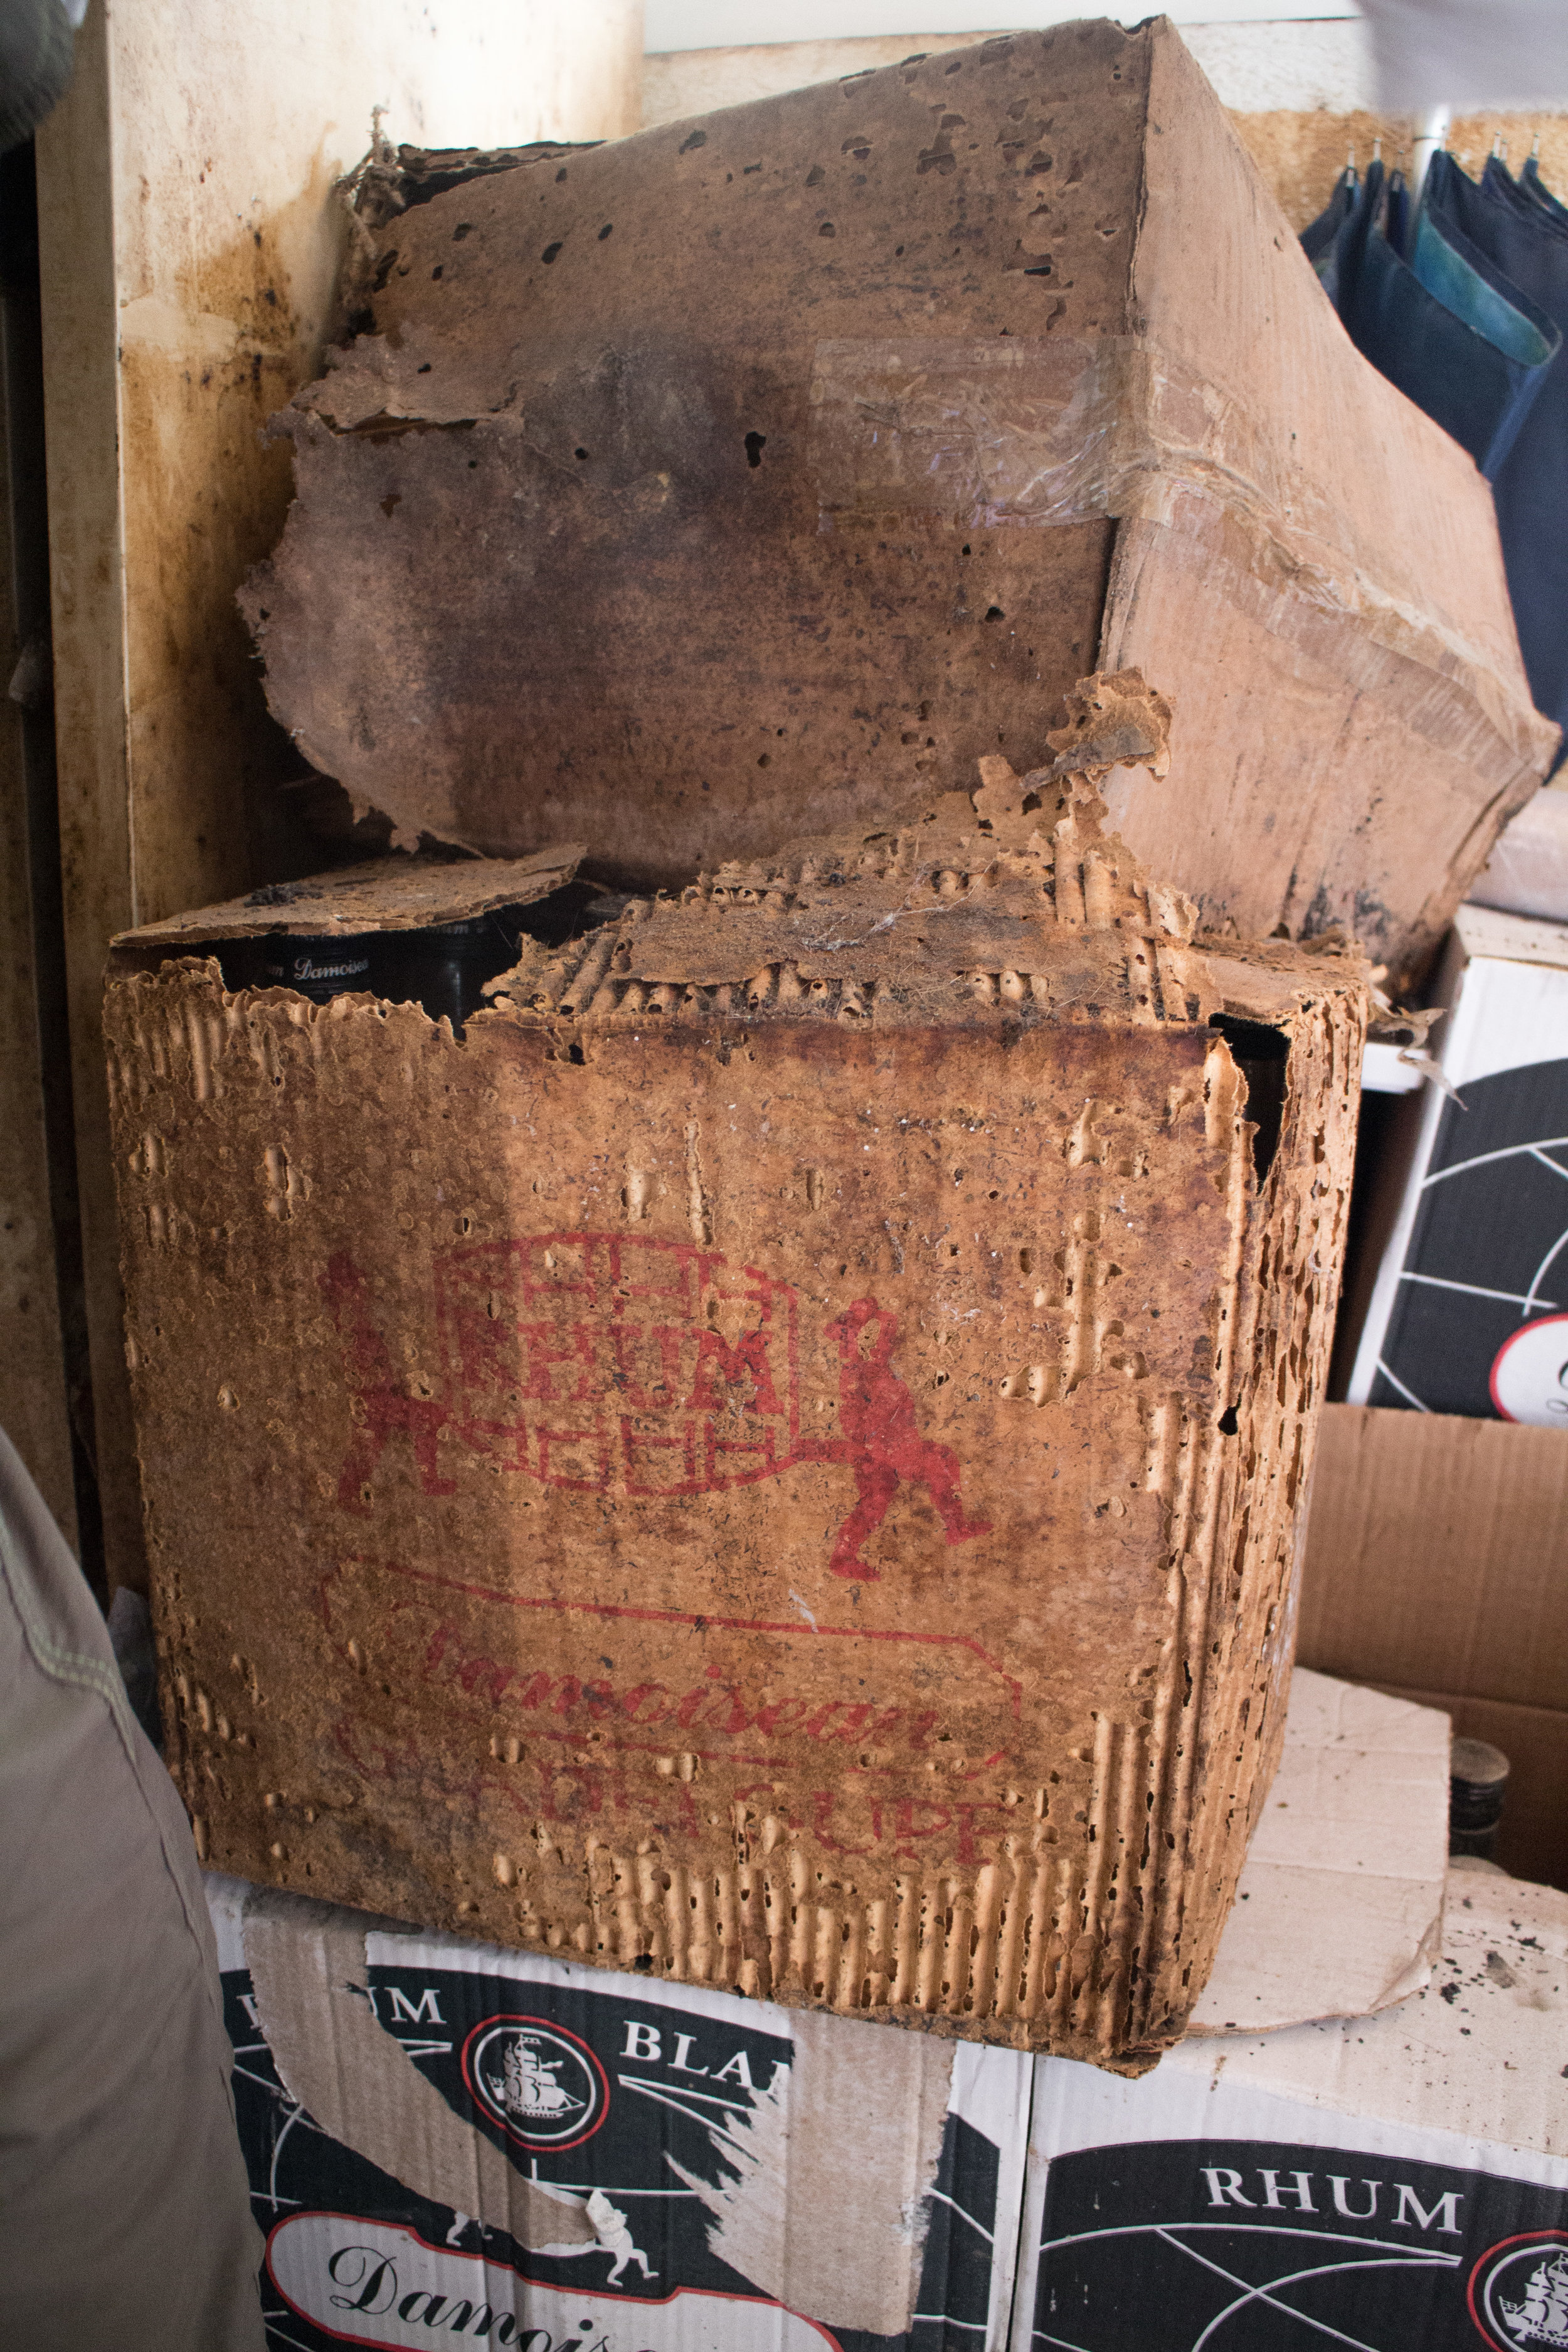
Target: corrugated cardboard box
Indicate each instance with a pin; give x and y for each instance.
(450, 2141)
(1434, 1567)
(758, 475)
(1469, 1202)
(1396, 2183)
(780, 1455)
(445, 2136)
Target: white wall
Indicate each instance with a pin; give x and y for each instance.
(1292, 62)
(731, 23)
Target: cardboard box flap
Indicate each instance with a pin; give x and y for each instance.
(1435, 1555)
(1341, 1897)
(383, 894)
(1485, 2036)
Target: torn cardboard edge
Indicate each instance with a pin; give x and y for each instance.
(830, 2223)
(1022, 875)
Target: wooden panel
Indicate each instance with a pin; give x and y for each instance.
(33, 1403)
(191, 239)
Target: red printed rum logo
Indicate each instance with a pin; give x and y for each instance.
(615, 1365)
(612, 1365)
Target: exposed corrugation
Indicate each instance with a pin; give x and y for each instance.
(769, 1089)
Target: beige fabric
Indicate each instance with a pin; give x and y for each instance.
(125, 2217)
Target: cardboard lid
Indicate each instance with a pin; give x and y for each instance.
(383, 894)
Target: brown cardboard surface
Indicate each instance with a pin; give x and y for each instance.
(778, 1454)
(1532, 1836)
(898, 403)
(383, 894)
(1437, 1555)
(1436, 1568)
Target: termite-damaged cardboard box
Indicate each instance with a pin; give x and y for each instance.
(753, 477)
(779, 1453)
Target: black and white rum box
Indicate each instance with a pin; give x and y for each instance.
(1469, 1312)
(1396, 2183)
(450, 2143)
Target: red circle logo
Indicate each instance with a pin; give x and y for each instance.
(1518, 2290)
(1529, 1374)
(543, 2085)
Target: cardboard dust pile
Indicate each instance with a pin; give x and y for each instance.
(775, 1458)
(756, 476)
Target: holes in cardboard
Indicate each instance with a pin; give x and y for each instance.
(1262, 1055)
(755, 443)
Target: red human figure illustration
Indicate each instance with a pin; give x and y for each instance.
(386, 1409)
(880, 1442)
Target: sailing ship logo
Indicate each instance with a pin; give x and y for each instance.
(1519, 2293)
(543, 2085)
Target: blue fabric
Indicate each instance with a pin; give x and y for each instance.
(1446, 331)
(1522, 231)
(1396, 216)
(1320, 242)
(1455, 258)
(1532, 185)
